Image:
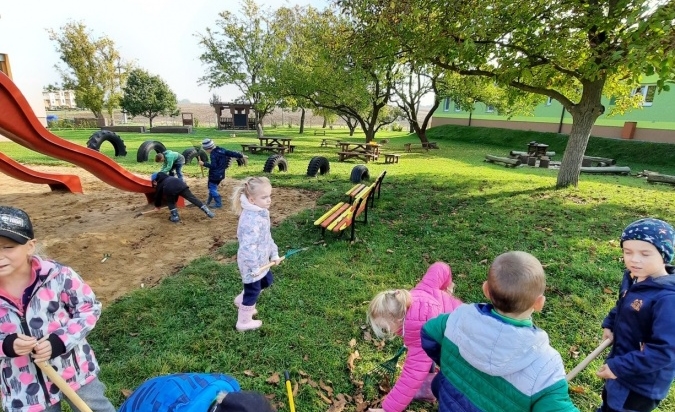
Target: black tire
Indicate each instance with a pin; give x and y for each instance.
(146, 147)
(239, 161)
(101, 136)
(318, 164)
(359, 173)
(191, 153)
(275, 161)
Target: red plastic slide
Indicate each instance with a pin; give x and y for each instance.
(19, 123)
(70, 183)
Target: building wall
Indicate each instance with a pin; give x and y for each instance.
(61, 98)
(655, 122)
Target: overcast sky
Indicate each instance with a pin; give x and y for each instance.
(157, 34)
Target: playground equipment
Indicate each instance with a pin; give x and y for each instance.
(69, 183)
(19, 124)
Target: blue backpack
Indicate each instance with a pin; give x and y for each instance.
(182, 392)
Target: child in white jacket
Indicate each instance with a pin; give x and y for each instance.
(251, 200)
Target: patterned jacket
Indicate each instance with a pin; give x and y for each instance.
(256, 246)
(429, 299)
(494, 364)
(63, 306)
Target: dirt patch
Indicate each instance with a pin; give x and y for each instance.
(79, 230)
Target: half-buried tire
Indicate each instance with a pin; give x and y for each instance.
(148, 146)
(275, 161)
(192, 153)
(318, 165)
(359, 173)
(96, 139)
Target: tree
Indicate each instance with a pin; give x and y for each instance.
(410, 89)
(244, 54)
(149, 96)
(569, 50)
(90, 67)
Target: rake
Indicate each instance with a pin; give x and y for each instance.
(387, 367)
(288, 253)
(198, 147)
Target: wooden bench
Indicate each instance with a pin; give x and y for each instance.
(365, 156)
(426, 146)
(343, 215)
(171, 129)
(391, 157)
(357, 189)
(319, 132)
(260, 149)
(507, 161)
(125, 129)
(291, 148)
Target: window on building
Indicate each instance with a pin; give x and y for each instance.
(549, 101)
(490, 108)
(446, 104)
(647, 91)
(457, 108)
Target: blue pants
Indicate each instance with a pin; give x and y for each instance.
(177, 169)
(213, 189)
(252, 290)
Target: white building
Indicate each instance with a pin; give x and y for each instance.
(59, 99)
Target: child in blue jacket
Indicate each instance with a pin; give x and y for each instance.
(641, 365)
(194, 392)
(219, 162)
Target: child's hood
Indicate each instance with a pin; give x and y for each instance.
(494, 347)
(665, 282)
(246, 205)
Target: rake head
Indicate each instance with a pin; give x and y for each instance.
(387, 368)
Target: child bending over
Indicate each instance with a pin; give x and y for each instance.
(492, 356)
(172, 187)
(399, 312)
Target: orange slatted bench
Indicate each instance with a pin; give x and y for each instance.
(343, 215)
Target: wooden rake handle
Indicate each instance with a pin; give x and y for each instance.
(63, 386)
(269, 265)
(581, 366)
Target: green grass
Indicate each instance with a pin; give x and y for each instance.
(444, 205)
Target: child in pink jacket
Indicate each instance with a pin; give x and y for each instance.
(399, 312)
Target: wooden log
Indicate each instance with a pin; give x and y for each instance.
(622, 170)
(507, 161)
(516, 153)
(659, 178)
(600, 160)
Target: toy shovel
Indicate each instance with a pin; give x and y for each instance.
(291, 252)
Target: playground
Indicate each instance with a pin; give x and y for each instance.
(83, 229)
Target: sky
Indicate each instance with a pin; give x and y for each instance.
(158, 35)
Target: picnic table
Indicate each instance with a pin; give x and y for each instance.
(276, 141)
(356, 150)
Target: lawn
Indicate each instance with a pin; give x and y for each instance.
(443, 204)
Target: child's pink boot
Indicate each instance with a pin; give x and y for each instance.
(239, 299)
(245, 319)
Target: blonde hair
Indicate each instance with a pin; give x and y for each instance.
(247, 187)
(386, 309)
(515, 281)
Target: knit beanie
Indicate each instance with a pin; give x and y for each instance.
(654, 231)
(208, 144)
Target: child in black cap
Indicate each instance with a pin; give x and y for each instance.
(641, 365)
(46, 312)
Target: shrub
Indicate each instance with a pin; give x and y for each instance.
(396, 127)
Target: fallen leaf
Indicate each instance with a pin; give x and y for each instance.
(323, 398)
(274, 379)
(338, 405)
(249, 373)
(312, 383)
(608, 291)
(352, 343)
(326, 388)
(366, 336)
(126, 392)
(577, 389)
(295, 389)
(302, 373)
(350, 360)
(390, 251)
(483, 262)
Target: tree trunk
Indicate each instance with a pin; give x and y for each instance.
(302, 120)
(325, 122)
(150, 122)
(411, 127)
(422, 134)
(370, 135)
(259, 128)
(584, 115)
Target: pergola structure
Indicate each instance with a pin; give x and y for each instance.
(238, 115)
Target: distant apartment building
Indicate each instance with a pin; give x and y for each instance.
(59, 99)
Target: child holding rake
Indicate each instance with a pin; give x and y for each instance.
(402, 312)
(46, 312)
(251, 201)
(641, 365)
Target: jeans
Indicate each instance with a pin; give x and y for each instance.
(252, 290)
(93, 394)
(213, 189)
(177, 169)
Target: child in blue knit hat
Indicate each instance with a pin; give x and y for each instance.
(641, 365)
